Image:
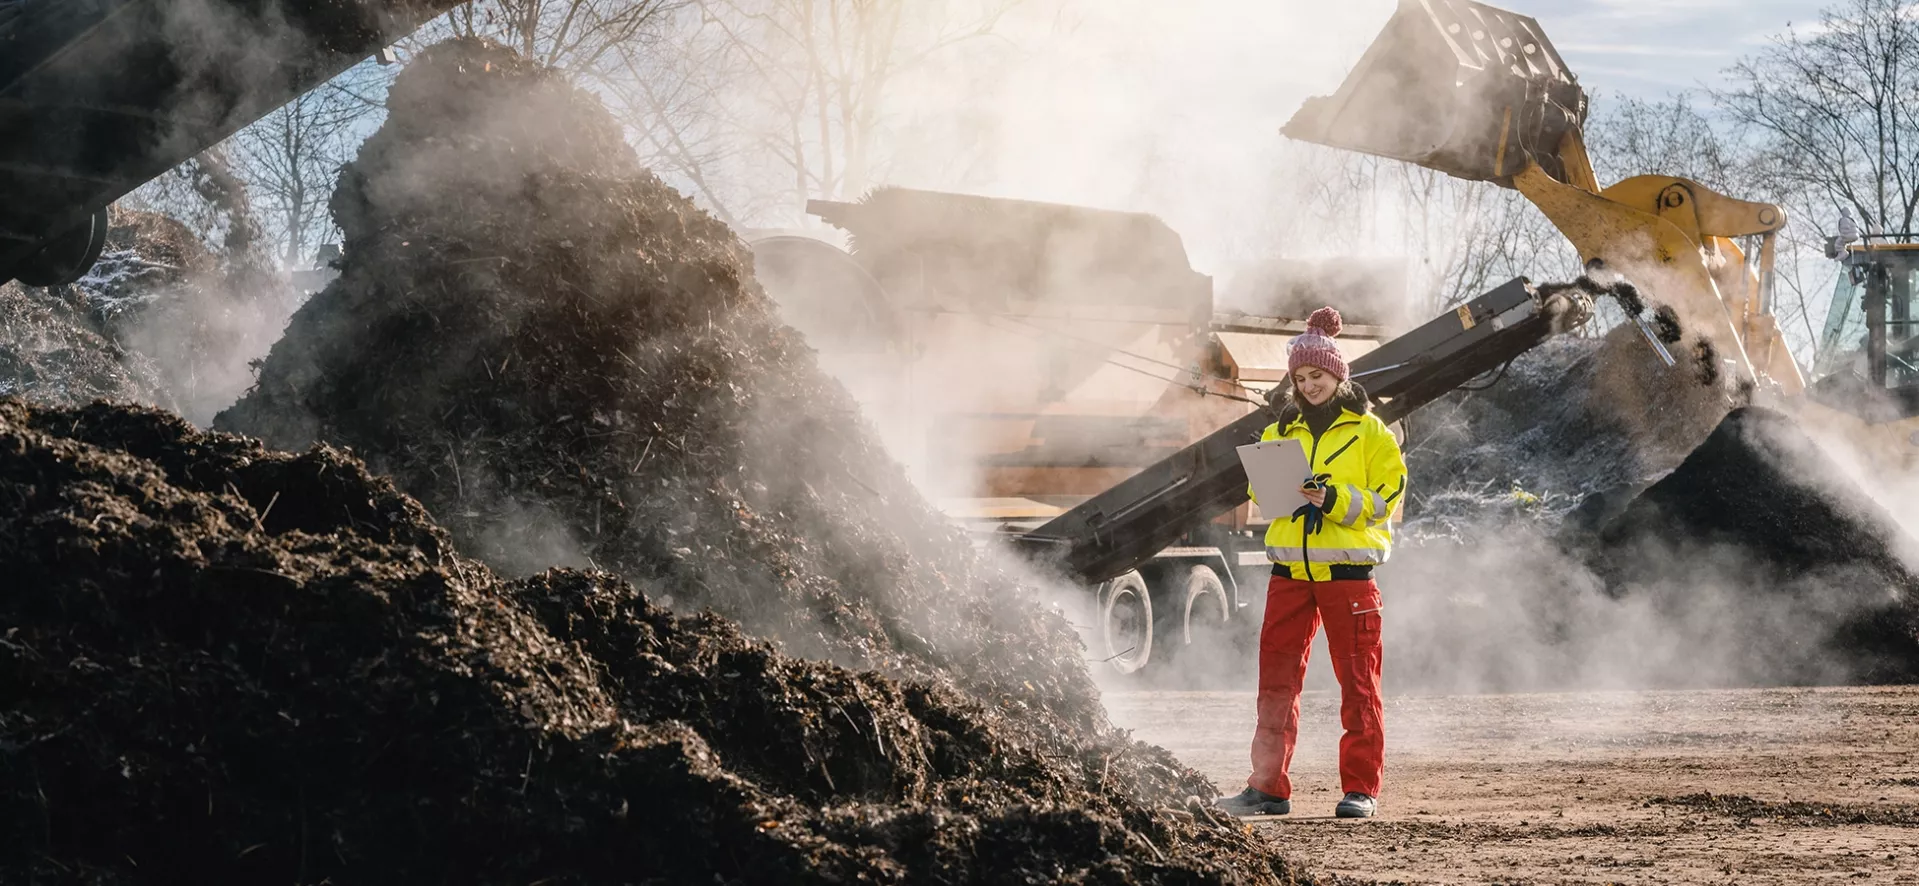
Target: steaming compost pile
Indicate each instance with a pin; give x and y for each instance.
(1759, 499)
(1571, 429)
(229, 664)
(53, 351)
(1642, 504)
(160, 318)
(567, 362)
(195, 315)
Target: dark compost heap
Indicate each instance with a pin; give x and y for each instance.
(1758, 504)
(567, 362)
(1572, 422)
(228, 664)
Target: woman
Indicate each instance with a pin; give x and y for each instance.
(1323, 556)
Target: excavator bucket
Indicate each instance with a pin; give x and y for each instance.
(1461, 87)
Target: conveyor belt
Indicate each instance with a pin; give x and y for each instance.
(1124, 527)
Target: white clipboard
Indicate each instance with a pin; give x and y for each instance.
(1276, 469)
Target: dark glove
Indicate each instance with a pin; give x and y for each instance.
(1314, 517)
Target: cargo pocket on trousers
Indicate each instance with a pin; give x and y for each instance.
(1367, 608)
(1366, 665)
(1368, 630)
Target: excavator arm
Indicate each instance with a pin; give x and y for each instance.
(1479, 93)
(1676, 235)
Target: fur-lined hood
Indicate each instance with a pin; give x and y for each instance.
(1349, 396)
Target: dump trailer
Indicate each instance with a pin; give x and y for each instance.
(1105, 541)
(1024, 356)
(97, 97)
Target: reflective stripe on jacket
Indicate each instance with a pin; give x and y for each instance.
(1368, 484)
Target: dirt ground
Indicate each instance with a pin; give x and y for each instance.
(1732, 786)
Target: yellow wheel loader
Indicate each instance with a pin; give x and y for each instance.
(1479, 93)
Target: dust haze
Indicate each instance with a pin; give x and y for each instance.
(1175, 111)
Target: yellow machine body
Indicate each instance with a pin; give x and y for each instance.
(1479, 93)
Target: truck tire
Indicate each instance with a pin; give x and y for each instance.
(1192, 609)
(68, 257)
(1126, 623)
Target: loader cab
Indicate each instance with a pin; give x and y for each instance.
(1868, 362)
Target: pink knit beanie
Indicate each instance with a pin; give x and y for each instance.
(1315, 347)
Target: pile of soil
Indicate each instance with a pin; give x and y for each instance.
(1571, 429)
(53, 350)
(568, 362)
(224, 663)
(1760, 504)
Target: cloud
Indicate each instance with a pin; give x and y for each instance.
(1651, 50)
(1642, 49)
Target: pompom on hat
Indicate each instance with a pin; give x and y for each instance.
(1315, 347)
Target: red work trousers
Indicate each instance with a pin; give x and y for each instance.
(1294, 610)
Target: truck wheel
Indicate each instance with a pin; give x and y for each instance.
(67, 257)
(1193, 610)
(1126, 622)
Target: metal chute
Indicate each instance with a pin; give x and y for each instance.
(1467, 89)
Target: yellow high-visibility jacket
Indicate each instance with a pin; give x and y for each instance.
(1367, 485)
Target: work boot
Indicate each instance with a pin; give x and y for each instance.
(1254, 801)
(1356, 805)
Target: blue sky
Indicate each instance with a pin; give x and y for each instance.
(1651, 48)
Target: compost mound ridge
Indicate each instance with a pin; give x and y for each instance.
(1759, 497)
(567, 362)
(228, 664)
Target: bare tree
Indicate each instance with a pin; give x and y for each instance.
(578, 35)
(1837, 109)
(1466, 237)
(1630, 136)
(679, 101)
(290, 160)
(789, 97)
